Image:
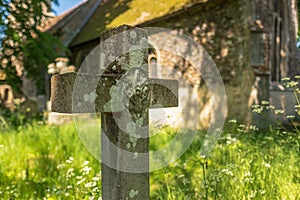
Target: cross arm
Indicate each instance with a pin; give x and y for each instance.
(94, 90)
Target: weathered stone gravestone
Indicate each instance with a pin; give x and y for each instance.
(122, 94)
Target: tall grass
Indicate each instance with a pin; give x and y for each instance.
(250, 165)
(39, 161)
(43, 161)
(49, 162)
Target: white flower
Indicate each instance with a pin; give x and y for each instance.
(253, 127)
(96, 178)
(285, 79)
(61, 166)
(292, 84)
(70, 160)
(290, 117)
(267, 165)
(69, 187)
(86, 170)
(70, 173)
(227, 171)
(248, 173)
(90, 184)
(233, 121)
(279, 112)
(265, 103)
(85, 163)
(80, 181)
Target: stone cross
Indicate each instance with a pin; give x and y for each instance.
(123, 95)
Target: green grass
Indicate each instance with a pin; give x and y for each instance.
(249, 165)
(49, 162)
(46, 161)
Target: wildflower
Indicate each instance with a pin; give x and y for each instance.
(262, 191)
(272, 107)
(290, 117)
(297, 77)
(80, 181)
(292, 84)
(86, 170)
(227, 171)
(61, 166)
(279, 112)
(253, 127)
(253, 194)
(232, 121)
(241, 130)
(78, 177)
(85, 163)
(248, 173)
(90, 184)
(96, 178)
(267, 165)
(265, 103)
(96, 189)
(242, 126)
(70, 173)
(285, 79)
(70, 160)
(257, 108)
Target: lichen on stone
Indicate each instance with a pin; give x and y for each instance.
(90, 97)
(133, 193)
(135, 155)
(130, 128)
(133, 34)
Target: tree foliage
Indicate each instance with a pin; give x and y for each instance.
(24, 47)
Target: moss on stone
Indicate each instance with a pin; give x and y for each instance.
(132, 12)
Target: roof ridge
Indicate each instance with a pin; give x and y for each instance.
(57, 19)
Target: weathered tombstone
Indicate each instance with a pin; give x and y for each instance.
(122, 94)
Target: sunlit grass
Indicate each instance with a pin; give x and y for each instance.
(49, 162)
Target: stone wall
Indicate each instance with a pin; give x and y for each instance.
(222, 28)
(225, 29)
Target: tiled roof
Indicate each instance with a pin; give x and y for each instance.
(70, 23)
(86, 21)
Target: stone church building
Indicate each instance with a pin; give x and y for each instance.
(252, 42)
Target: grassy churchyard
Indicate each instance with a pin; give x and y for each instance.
(39, 161)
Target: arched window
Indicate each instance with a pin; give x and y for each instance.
(153, 68)
(6, 95)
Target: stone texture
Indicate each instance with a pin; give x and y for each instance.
(225, 29)
(163, 93)
(123, 86)
(225, 35)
